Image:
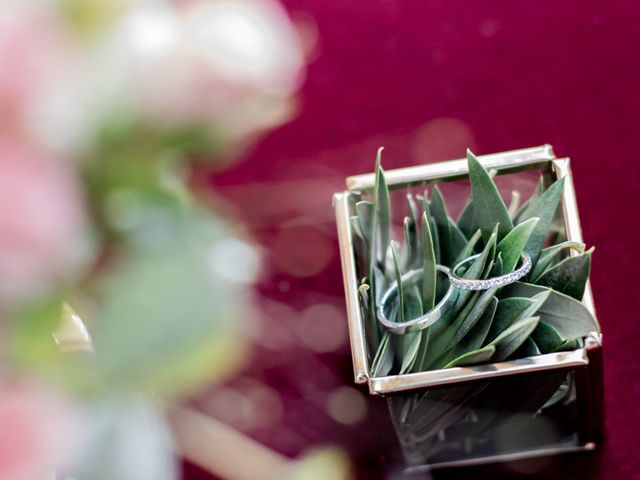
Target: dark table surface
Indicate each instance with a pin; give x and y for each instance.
(427, 79)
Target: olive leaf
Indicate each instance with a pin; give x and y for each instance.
(438, 212)
(473, 357)
(469, 248)
(383, 361)
(429, 265)
(544, 207)
(488, 206)
(364, 213)
(539, 190)
(411, 243)
(547, 255)
(569, 276)
(511, 310)
(514, 204)
(381, 220)
(527, 349)
(412, 305)
(466, 319)
(458, 242)
(567, 315)
(512, 245)
(510, 340)
(547, 338)
(477, 335)
(355, 224)
(507, 313)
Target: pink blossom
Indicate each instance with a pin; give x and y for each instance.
(38, 430)
(40, 76)
(41, 221)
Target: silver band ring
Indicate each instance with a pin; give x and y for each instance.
(480, 284)
(423, 321)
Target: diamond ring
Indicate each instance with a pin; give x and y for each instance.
(479, 284)
(423, 321)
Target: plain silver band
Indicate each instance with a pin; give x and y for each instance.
(485, 284)
(423, 321)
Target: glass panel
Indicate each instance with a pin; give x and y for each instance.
(505, 415)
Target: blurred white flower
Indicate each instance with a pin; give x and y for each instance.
(230, 66)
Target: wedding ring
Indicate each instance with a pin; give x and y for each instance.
(479, 284)
(424, 321)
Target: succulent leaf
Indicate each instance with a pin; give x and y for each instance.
(512, 245)
(383, 361)
(544, 207)
(567, 315)
(547, 256)
(473, 357)
(547, 338)
(429, 265)
(569, 276)
(488, 206)
(510, 340)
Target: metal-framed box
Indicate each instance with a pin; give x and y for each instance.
(517, 427)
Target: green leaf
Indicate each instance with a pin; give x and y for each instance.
(458, 241)
(383, 360)
(381, 222)
(355, 224)
(372, 334)
(488, 205)
(364, 212)
(539, 190)
(544, 207)
(498, 267)
(547, 338)
(510, 340)
(168, 316)
(410, 346)
(514, 204)
(469, 248)
(548, 254)
(484, 301)
(463, 322)
(477, 335)
(527, 349)
(508, 311)
(512, 310)
(413, 208)
(439, 214)
(467, 220)
(569, 345)
(475, 357)
(429, 265)
(569, 276)
(512, 245)
(567, 315)
(409, 307)
(396, 266)
(411, 244)
(419, 364)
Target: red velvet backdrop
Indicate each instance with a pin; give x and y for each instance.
(426, 79)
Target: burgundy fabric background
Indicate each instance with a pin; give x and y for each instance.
(426, 79)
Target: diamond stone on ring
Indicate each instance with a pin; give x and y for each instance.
(479, 284)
